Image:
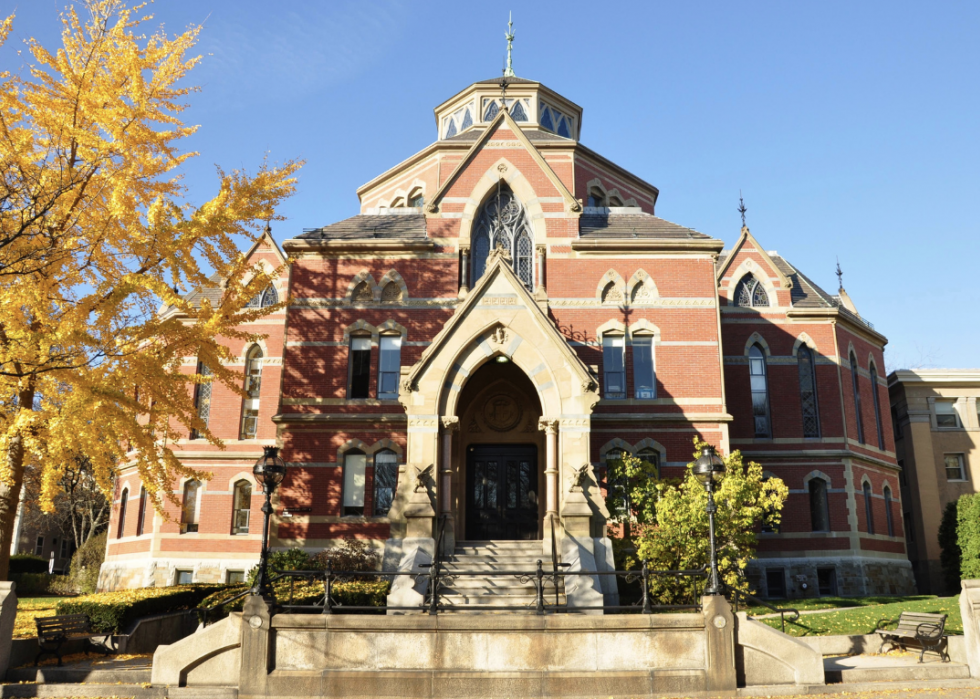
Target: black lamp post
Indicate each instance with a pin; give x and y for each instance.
(709, 469)
(269, 470)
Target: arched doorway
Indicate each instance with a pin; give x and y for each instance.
(500, 474)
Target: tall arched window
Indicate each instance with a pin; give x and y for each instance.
(808, 391)
(857, 398)
(241, 507)
(760, 391)
(269, 297)
(385, 481)
(869, 508)
(202, 398)
(190, 512)
(889, 522)
(253, 384)
(124, 498)
(650, 455)
(877, 405)
(819, 505)
(141, 522)
(503, 223)
(355, 468)
(750, 293)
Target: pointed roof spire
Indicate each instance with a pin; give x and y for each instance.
(840, 276)
(741, 208)
(509, 70)
(845, 300)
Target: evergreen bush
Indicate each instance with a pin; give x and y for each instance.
(949, 549)
(27, 563)
(968, 535)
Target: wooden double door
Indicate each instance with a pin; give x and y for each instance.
(502, 492)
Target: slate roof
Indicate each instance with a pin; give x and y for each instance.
(533, 135)
(805, 293)
(370, 226)
(212, 292)
(639, 225)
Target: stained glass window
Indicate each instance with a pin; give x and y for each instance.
(270, 297)
(546, 122)
(760, 391)
(750, 293)
(467, 120)
(202, 399)
(563, 129)
(808, 392)
(502, 222)
(451, 131)
(385, 481)
(491, 111)
(518, 112)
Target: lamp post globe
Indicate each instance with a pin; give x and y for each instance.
(709, 469)
(269, 470)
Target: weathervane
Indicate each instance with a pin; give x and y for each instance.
(509, 70)
(840, 276)
(741, 207)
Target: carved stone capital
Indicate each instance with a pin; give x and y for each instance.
(499, 335)
(548, 425)
(450, 424)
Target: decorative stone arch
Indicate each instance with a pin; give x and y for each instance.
(641, 288)
(614, 278)
(398, 202)
(352, 445)
(503, 170)
(390, 327)
(360, 327)
(750, 266)
(392, 277)
(873, 363)
(260, 343)
(757, 339)
(645, 327)
(617, 444)
(805, 339)
(597, 183)
(817, 474)
(417, 187)
(614, 194)
(386, 443)
(275, 279)
(244, 476)
(363, 277)
(648, 443)
(866, 479)
(613, 327)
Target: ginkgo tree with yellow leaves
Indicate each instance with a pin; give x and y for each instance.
(96, 232)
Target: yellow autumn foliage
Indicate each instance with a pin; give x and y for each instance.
(99, 239)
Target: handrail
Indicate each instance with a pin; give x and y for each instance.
(205, 610)
(781, 611)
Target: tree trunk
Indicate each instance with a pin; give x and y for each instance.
(10, 494)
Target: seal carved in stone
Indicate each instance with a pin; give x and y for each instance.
(501, 412)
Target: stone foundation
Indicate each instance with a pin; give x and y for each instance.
(855, 577)
(162, 572)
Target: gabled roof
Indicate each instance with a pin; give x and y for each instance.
(363, 226)
(498, 267)
(504, 117)
(633, 225)
(747, 236)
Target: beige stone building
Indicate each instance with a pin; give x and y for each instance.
(937, 440)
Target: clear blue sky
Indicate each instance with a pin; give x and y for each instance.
(850, 127)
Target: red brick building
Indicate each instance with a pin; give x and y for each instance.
(505, 309)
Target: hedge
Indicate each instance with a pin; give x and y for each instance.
(27, 563)
(949, 550)
(968, 535)
(35, 584)
(110, 612)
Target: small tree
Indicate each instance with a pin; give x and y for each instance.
(678, 540)
(968, 535)
(949, 556)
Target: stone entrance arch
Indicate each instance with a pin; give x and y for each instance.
(498, 319)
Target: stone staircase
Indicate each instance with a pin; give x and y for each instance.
(486, 592)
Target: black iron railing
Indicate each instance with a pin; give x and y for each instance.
(736, 595)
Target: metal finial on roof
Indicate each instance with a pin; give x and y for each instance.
(840, 277)
(741, 207)
(509, 70)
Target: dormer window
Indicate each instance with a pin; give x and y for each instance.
(596, 197)
(553, 120)
(269, 297)
(750, 293)
(519, 108)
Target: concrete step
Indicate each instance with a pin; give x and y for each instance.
(494, 583)
(137, 691)
(52, 674)
(494, 600)
(861, 668)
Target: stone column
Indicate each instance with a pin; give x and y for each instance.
(540, 265)
(253, 679)
(450, 425)
(719, 627)
(464, 255)
(550, 428)
(970, 611)
(8, 614)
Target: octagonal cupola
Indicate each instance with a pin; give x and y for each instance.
(531, 105)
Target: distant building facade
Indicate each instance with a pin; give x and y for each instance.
(505, 308)
(937, 430)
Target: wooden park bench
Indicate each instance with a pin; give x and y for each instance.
(54, 631)
(926, 629)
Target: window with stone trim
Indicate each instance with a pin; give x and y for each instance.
(389, 366)
(819, 505)
(385, 481)
(889, 522)
(253, 385)
(241, 511)
(596, 197)
(877, 406)
(946, 415)
(869, 512)
(191, 508)
(268, 297)
(644, 369)
(503, 223)
(359, 367)
(613, 366)
(856, 386)
(955, 470)
(202, 399)
(123, 501)
(144, 504)
(808, 391)
(355, 478)
(759, 384)
(750, 293)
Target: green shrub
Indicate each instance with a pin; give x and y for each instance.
(351, 555)
(968, 535)
(949, 554)
(111, 612)
(355, 593)
(290, 559)
(27, 563)
(86, 563)
(32, 584)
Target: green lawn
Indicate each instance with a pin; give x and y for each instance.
(863, 620)
(833, 603)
